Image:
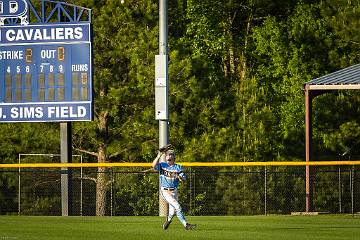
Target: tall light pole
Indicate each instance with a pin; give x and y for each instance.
(161, 88)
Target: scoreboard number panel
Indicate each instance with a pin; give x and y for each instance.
(45, 69)
(46, 80)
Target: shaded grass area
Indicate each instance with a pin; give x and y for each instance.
(215, 227)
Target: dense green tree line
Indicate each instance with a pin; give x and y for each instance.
(236, 73)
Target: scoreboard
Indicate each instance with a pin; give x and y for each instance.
(46, 73)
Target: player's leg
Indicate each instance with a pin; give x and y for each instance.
(171, 211)
(169, 217)
(171, 198)
(187, 225)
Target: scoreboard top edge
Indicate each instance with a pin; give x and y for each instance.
(45, 33)
(59, 10)
(46, 24)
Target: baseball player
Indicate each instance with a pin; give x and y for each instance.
(170, 176)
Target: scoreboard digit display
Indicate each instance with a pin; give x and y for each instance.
(46, 73)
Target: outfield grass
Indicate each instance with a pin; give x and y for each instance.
(224, 227)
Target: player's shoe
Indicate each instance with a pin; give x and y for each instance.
(166, 224)
(190, 226)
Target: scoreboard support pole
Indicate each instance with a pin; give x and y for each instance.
(66, 176)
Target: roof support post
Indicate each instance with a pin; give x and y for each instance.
(310, 94)
(308, 147)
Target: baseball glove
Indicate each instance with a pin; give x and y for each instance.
(165, 148)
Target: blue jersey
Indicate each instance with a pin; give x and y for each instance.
(168, 178)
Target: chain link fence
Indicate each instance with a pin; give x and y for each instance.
(207, 191)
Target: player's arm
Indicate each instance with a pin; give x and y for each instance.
(156, 160)
(181, 176)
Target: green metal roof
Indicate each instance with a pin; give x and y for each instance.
(347, 78)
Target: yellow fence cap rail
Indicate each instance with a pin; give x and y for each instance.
(185, 164)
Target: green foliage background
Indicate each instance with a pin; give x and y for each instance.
(236, 70)
(236, 75)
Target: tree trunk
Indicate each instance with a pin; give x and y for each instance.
(229, 61)
(243, 60)
(101, 184)
(101, 181)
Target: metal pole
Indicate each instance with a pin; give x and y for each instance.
(66, 155)
(111, 193)
(163, 124)
(163, 50)
(265, 187)
(191, 192)
(81, 187)
(308, 149)
(340, 204)
(194, 187)
(19, 193)
(352, 189)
